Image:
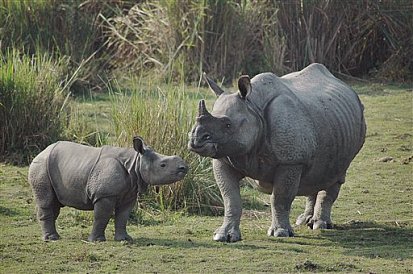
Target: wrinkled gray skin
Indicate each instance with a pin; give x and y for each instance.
(104, 180)
(295, 135)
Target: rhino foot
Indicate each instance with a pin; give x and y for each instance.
(51, 237)
(229, 235)
(123, 237)
(303, 219)
(93, 238)
(319, 224)
(280, 232)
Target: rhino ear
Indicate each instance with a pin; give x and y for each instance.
(138, 144)
(244, 85)
(212, 85)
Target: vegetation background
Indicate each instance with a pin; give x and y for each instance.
(100, 72)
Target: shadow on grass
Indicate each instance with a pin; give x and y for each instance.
(4, 211)
(373, 240)
(192, 243)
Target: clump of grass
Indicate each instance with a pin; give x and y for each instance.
(31, 102)
(82, 129)
(225, 38)
(61, 28)
(163, 117)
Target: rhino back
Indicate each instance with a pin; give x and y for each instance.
(334, 108)
(69, 167)
(337, 116)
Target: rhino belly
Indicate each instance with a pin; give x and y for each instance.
(72, 192)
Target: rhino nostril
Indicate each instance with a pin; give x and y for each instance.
(182, 169)
(206, 137)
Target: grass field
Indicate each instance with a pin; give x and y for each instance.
(373, 218)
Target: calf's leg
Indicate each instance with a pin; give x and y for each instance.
(121, 218)
(47, 216)
(102, 210)
(48, 206)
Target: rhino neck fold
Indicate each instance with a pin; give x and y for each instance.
(135, 175)
(258, 113)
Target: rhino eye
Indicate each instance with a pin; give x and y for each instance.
(163, 165)
(228, 125)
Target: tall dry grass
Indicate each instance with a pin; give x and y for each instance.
(163, 116)
(228, 38)
(352, 37)
(225, 38)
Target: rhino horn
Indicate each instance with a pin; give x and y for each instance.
(202, 110)
(212, 85)
(244, 85)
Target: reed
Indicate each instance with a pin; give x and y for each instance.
(163, 116)
(228, 38)
(224, 38)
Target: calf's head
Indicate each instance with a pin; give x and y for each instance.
(158, 169)
(233, 126)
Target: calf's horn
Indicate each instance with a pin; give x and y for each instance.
(202, 108)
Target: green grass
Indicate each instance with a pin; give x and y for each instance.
(373, 219)
(32, 100)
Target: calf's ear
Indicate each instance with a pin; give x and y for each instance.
(138, 144)
(212, 85)
(244, 85)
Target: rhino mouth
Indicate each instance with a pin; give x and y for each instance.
(206, 149)
(181, 172)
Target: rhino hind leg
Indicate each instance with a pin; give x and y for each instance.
(47, 217)
(322, 209)
(102, 211)
(306, 217)
(121, 218)
(48, 206)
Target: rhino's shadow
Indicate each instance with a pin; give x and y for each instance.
(373, 240)
(190, 243)
(8, 211)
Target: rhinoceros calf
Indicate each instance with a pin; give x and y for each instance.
(295, 135)
(104, 180)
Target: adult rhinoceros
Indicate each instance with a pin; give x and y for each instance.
(295, 135)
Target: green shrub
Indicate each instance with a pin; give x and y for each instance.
(60, 28)
(31, 102)
(163, 116)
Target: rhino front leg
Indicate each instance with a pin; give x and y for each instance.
(285, 188)
(322, 209)
(308, 211)
(102, 210)
(121, 218)
(228, 182)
